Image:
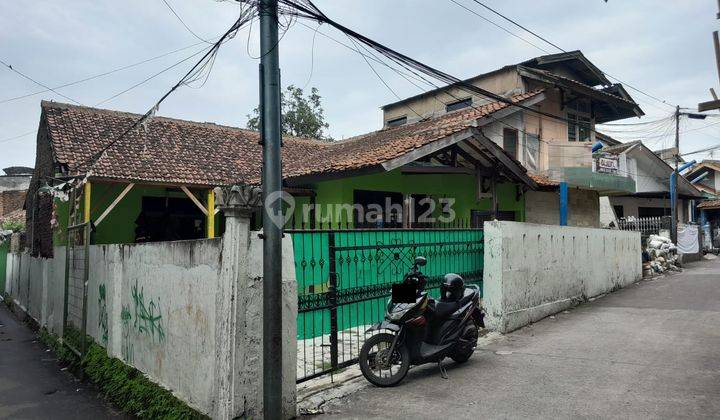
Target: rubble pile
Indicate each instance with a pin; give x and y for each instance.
(662, 253)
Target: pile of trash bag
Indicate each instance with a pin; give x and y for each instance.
(662, 255)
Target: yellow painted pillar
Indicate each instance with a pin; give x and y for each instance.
(210, 214)
(86, 207)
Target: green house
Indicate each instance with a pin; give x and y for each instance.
(156, 182)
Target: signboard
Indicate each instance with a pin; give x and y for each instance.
(607, 163)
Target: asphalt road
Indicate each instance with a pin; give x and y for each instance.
(651, 350)
(32, 384)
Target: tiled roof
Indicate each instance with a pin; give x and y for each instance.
(575, 83)
(169, 151)
(190, 153)
(710, 204)
(14, 216)
(380, 146)
(621, 147)
(543, 181)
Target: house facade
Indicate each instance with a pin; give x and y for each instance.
(157, 184)
(558, 149)
(706, 177)
(652, 179)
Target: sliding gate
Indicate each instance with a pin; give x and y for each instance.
(344, 280)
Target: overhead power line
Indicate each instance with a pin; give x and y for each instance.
(540, 37)
(196, 72)
(502, 28)
(185, 24)
(306, 9)
(5, 140)
(99, 75)
(517, 24)
(147, 79)
(36, 82)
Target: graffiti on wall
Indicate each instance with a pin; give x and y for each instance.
(102, 314)
(148, 315)
(127, 349)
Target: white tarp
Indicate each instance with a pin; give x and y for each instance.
(687, 239)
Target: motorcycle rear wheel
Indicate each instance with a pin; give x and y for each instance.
(374, 361)
(463, 353)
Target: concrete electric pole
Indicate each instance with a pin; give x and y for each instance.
(673, 179)
(270, 136)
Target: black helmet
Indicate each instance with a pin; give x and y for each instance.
(452, 288)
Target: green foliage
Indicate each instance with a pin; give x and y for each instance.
(301, 116)
(14, 225)
(124, 385)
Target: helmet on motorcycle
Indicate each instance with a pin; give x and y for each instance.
(452, 288)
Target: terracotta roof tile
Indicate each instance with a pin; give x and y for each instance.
(543, 181)
(190, 153)
(14, 216)
(710, 204)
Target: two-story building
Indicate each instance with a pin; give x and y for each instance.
(555, 143)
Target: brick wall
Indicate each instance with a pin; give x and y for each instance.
(11, 201)
(39, 229)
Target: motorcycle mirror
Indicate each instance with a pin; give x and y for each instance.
(420, 261)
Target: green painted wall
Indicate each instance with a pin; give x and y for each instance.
(119, 225)
(460, 187)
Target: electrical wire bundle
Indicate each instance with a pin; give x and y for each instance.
(200, 71)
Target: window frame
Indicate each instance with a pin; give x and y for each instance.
(517, 141)
(459, 104)
(583, 121)
(397, 122)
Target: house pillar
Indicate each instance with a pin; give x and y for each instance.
(210, 222)
(86, 206)
(239, 296)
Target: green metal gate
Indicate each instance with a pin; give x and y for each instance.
(345, 277)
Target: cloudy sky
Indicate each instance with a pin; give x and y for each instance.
(661, 47)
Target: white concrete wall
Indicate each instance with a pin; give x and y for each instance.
(543, 207)
(532, 271)
(185, 313)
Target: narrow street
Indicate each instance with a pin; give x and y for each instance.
(34, 387)
(651, 350)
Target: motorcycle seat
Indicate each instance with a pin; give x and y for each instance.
(467, 297)
(443, 310)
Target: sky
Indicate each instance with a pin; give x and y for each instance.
(663, 48)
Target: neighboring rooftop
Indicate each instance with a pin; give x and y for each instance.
(709, 205)
(588, 74)
(18, 171)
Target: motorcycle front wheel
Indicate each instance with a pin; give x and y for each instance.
(380, 367)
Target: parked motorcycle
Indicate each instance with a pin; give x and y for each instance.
(423, 331)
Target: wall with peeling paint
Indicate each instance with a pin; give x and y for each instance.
(532, 271)
(185, 313)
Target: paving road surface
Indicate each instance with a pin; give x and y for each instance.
(651, 350)
(32, 386)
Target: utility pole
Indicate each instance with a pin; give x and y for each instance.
(271, 187)
(673, 179)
